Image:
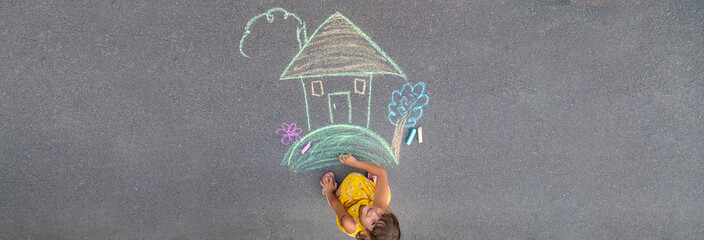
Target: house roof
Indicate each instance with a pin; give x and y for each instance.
(339, 48)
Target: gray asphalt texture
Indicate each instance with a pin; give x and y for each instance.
(551, 119)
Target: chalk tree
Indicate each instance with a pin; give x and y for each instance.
(405, 109)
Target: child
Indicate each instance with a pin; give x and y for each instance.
(361, 203)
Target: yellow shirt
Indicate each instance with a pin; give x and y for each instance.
(356, 190)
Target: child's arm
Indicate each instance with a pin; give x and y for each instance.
(346, 220)
(382, 185)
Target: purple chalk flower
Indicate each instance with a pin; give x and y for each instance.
(289, 133)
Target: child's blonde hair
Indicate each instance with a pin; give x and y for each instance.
(386, 228)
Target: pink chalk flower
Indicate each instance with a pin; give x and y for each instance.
(289, 133)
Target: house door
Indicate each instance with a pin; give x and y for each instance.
(340, 107)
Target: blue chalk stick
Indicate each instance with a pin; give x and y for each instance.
(410, 136)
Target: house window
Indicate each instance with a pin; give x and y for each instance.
(360, 85)
(316, 88)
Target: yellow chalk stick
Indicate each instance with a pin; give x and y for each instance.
(420, 134)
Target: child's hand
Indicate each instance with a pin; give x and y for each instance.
(348, 160)
(329, 185)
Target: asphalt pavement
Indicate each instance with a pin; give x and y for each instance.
(546, 119)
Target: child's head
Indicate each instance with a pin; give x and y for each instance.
(385, 226)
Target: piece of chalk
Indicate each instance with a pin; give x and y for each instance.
(420, 134)
(411, 136)
(305, 148)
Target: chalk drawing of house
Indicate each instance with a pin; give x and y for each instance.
(339, 51)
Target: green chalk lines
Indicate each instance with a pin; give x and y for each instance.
(337, 48)
(340, 48)
(349, 106)
(328, 142)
